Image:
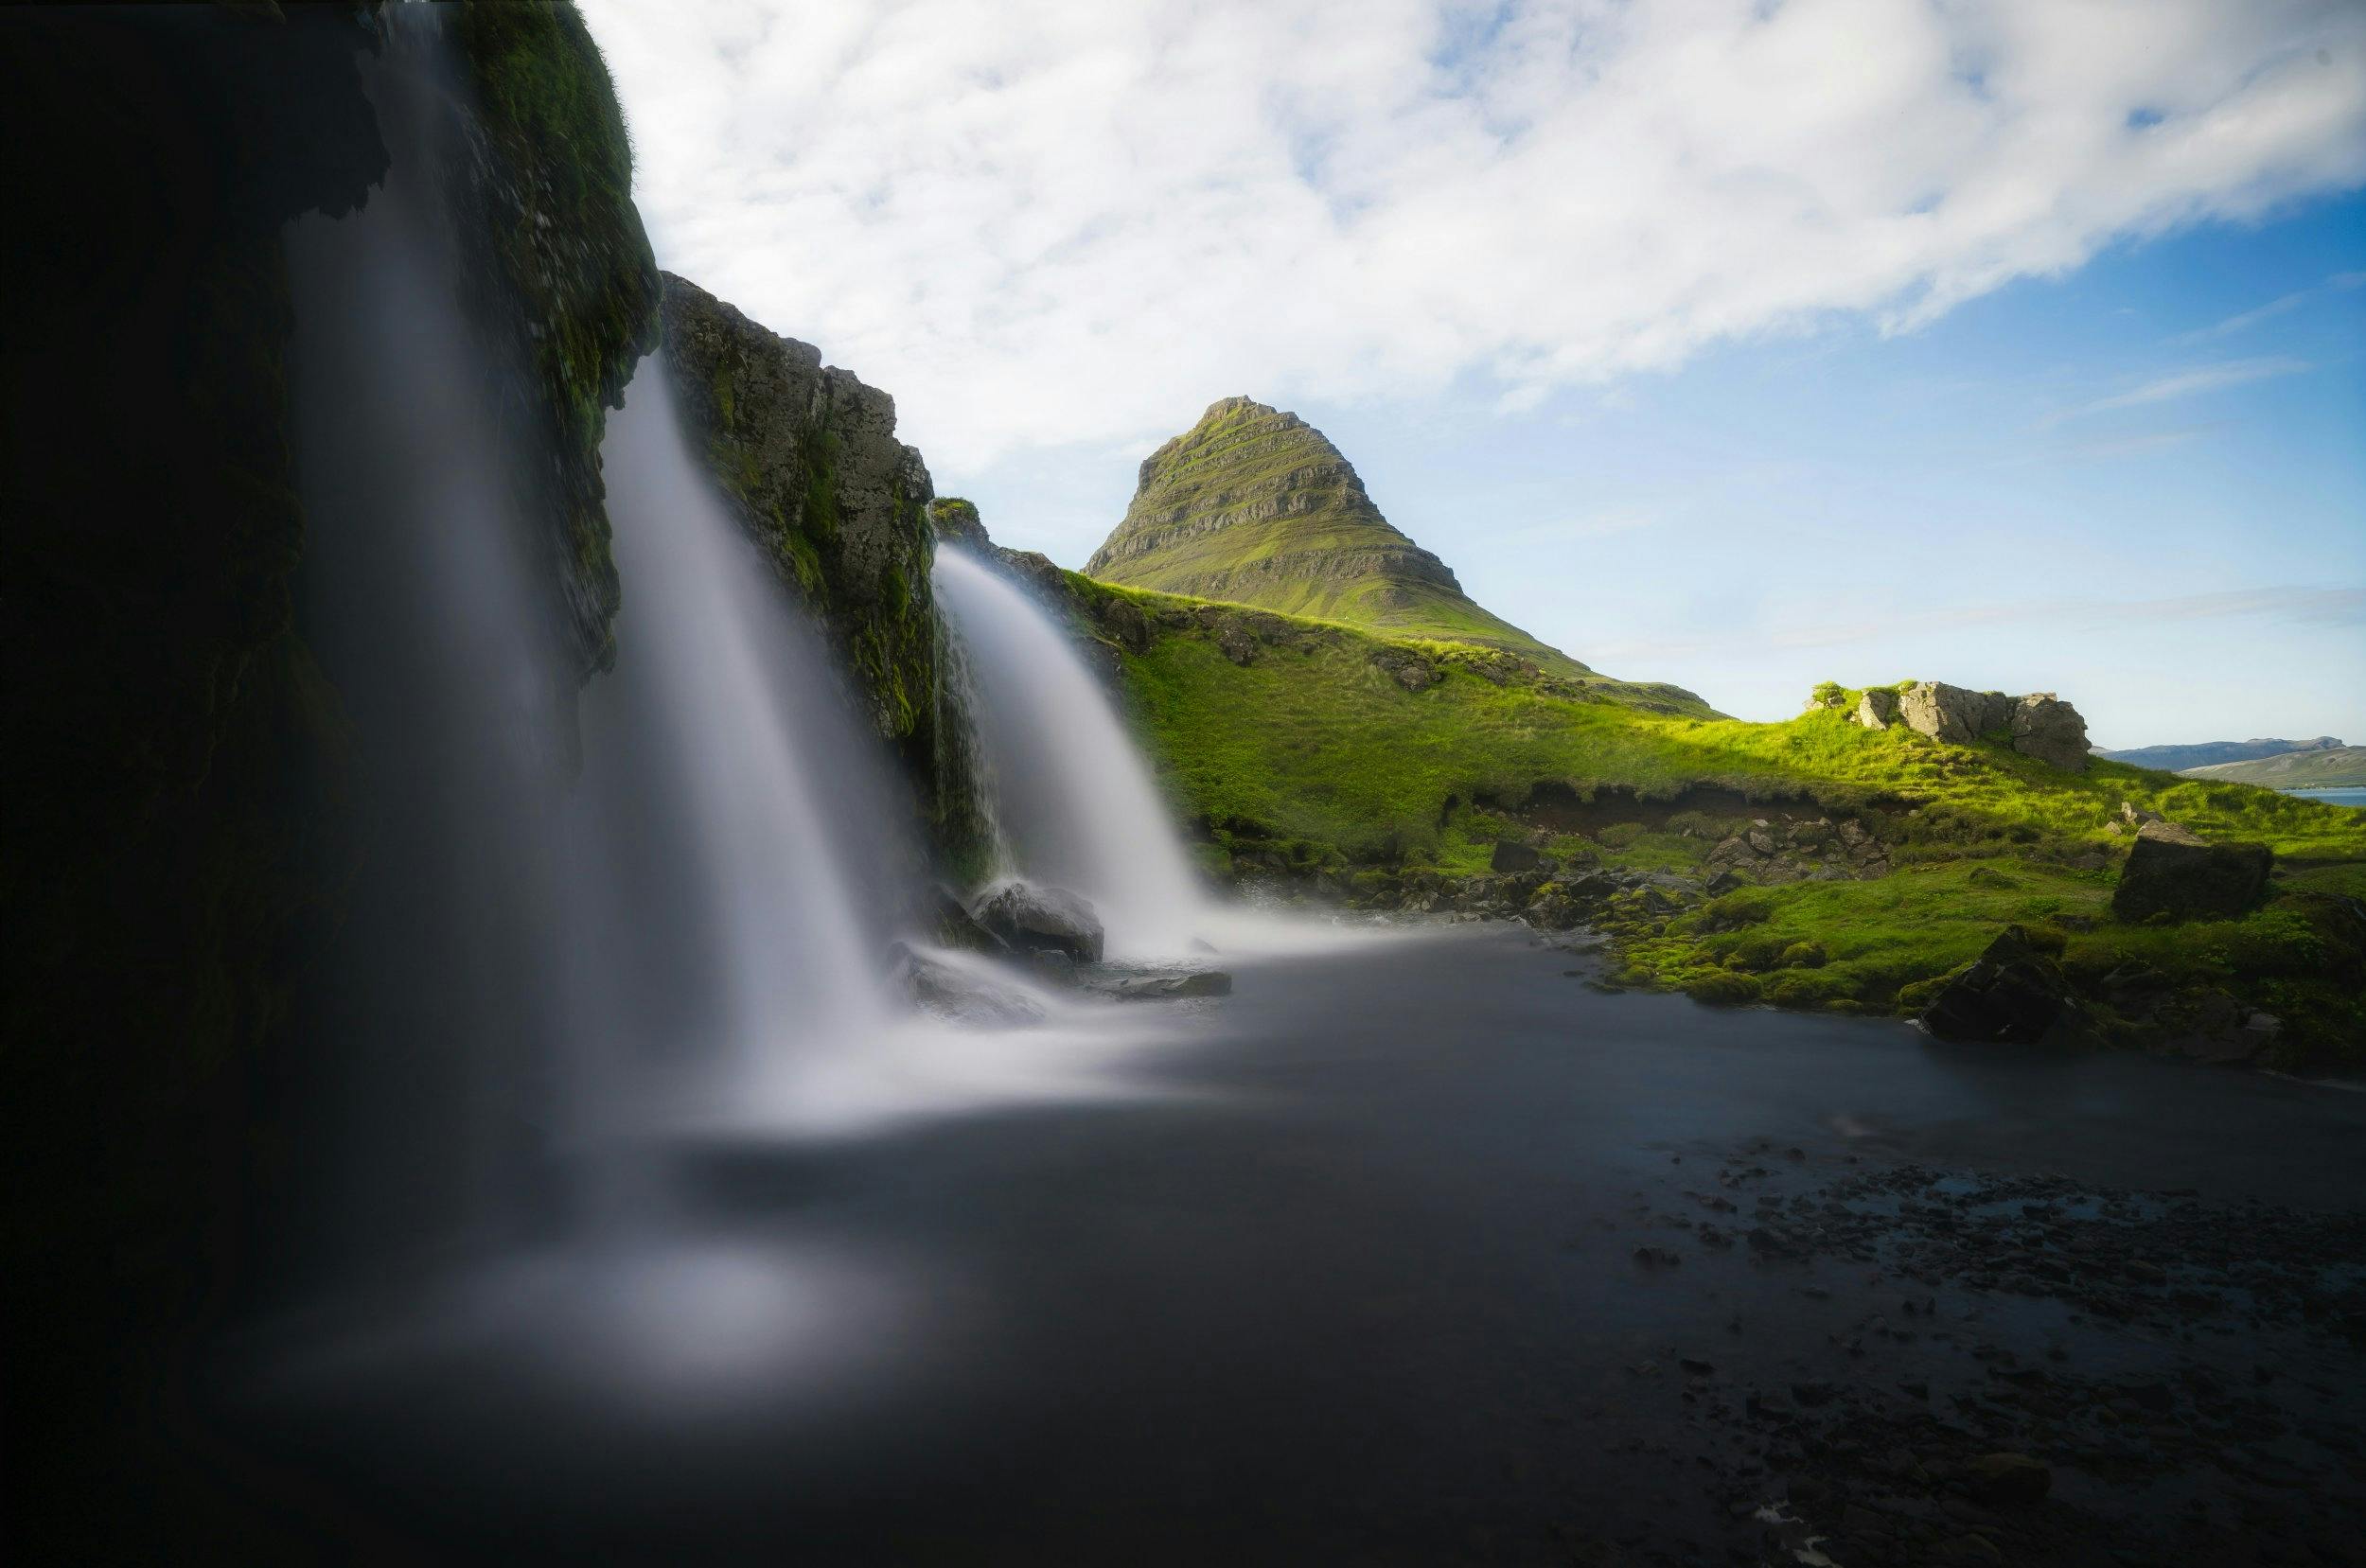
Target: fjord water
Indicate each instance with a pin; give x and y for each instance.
(1074, 802)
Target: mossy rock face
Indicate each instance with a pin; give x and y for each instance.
(806, 458)
(564, 281)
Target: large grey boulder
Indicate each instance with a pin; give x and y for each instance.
(2050, 729)
(1953, 713)
(2174, 873)
(1037, 919)
(2039, 724)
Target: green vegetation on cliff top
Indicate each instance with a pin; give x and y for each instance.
(1256, 507)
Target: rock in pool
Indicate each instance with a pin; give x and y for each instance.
(1033, 920)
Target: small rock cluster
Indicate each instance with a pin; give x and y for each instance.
(2039, 724)
(1822, 851)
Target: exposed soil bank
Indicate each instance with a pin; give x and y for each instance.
(1435, 1256)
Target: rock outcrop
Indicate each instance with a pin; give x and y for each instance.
(806, 455)
(2039, 724)
(2050, 729)
(959, 995)
(1953, 713)
(1033, 919)
(2014, 992)
(2173, 872)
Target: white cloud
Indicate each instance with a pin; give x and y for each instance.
(2245, 321)
(1059, 220)
(2192, 382)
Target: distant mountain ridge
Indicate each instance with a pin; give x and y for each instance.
(1255, 506)
(2210, 753)
(2312, 768)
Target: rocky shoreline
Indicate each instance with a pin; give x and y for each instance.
(2053, 1373)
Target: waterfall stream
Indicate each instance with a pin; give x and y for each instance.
(1074, 803)
(598, 931)
(728, 804)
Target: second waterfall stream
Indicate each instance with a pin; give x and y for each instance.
(1073, 801)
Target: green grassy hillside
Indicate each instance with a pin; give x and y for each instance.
(2329, 768)
(1306, 748)
(1256, 507)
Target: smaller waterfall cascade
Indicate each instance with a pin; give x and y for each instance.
(1073, 802)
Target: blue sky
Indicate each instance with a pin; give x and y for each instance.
(1741, 344)
(1958, 502)
(2143, 485)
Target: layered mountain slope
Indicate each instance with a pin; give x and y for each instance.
(2210, 753)
(2312, 768)
(1257, 507)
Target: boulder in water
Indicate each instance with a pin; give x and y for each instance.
(1161, 988)
(952, 925)
(961, 996)
(1035, 919)
(2012, 992)
(2175, 873)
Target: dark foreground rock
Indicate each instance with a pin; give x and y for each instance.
(1160, 988)
(2012, 992)
(2174, 873)
(1035, 920)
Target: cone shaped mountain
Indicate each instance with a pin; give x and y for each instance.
(1256, 506)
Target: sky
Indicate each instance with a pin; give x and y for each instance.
(1742, 343)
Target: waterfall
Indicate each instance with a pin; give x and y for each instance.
(1072, 801)
(729, 803)
(576, 913)
(425, 599)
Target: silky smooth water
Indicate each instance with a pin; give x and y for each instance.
(1074, 802)
(730, 805)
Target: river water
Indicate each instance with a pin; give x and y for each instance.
(1348, 1273)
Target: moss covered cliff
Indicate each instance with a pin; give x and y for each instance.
(566, 282)
(807, 456)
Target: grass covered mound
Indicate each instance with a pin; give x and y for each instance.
(1392, 771)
